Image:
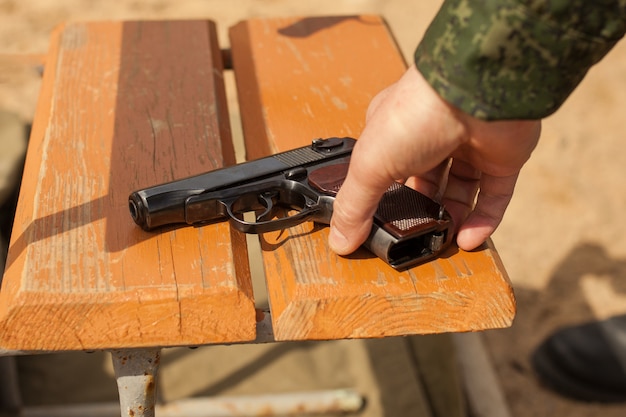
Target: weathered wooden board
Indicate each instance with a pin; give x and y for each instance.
(124, 105)
(303, 78)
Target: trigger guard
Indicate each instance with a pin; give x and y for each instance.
(310, 210)
(265, 226)
(273, 225)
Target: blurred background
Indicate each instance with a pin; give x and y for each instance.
(562, 240)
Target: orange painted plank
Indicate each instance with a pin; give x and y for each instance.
(303, 78)
(124, 105)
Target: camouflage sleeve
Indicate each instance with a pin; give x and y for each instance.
(516, 59)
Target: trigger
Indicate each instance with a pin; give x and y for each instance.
(267, 200)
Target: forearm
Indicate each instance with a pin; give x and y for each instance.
(516, 59)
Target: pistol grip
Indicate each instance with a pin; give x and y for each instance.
(416, 228)
(409, 228)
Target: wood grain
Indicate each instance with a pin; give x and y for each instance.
(303, 78)
(123, 105)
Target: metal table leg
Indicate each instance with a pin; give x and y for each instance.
(136, 373)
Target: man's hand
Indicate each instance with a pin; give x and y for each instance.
(413, 135)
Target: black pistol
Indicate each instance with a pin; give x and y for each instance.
(292, 187)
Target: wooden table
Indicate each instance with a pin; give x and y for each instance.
(126, 105)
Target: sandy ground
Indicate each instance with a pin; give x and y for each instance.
(562, 241)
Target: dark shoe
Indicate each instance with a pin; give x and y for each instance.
(586, 362)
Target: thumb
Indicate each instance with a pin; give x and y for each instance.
(355, 206)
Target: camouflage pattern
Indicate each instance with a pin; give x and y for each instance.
(516, 59)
